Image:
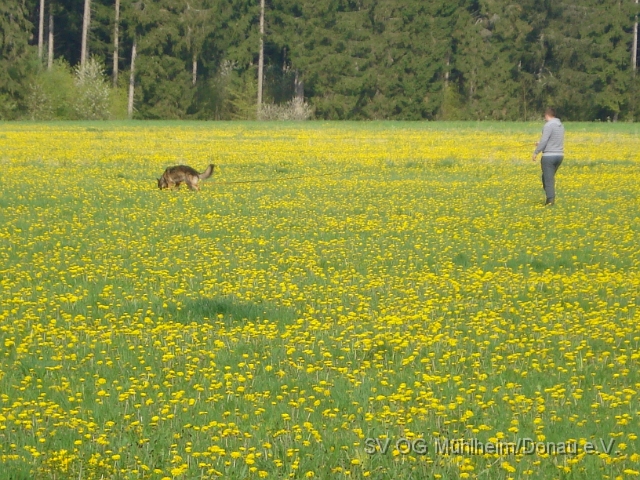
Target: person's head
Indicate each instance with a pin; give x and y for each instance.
(549, 113)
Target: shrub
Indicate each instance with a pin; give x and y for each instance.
(50, 94)
(241, 95)
(8, 107)
(79, 94)
(294, 109)
(118, 103)
(92, 96)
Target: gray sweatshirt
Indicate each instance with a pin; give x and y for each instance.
(552, 141)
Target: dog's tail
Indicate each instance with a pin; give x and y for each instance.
(207, 173)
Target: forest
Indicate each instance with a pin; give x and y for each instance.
(322, 59)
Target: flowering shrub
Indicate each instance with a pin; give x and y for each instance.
(295, 109)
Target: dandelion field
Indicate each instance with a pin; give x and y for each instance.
(268, 329)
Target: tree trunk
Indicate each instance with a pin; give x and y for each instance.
(634, 47)
(298, 87)
(261, 57)
(194, 70)
(86, 20)
(524, 100)
(634, 63)
(115, 44)
(132, 80)
(446, 73)
(50, 56)
(41, 31)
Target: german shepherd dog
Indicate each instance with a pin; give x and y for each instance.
(174, 176)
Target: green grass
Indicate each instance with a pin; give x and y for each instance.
(421, 290)
(489, 126)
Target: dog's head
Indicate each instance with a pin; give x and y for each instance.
(162, 183)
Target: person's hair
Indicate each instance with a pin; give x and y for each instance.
(550, 111)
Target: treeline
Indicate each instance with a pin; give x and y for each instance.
(346, 59)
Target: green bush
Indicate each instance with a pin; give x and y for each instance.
(51, 94)
(8, 107)
(241, 95)
(294, 109)
(118, 103)
(63, 93)
(452, 107)
(92, 94)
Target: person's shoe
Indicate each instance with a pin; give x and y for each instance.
(550, 201)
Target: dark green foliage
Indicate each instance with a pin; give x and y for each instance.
(17, 60)
(358, 59)
(51, 94)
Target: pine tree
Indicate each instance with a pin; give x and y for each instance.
(86, 24)
(160, 71)
(588, 61)
(352, 59)
(51, 38)
(116, 42)
(16, 69)
(195, 24)
(41, 30)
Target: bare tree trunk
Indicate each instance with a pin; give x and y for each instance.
(194, 70)
(41, 31)
(115, 44)
(634, 63)
(85, 30)
(298, 87)
(446, 73)
(132, 80)
(261, 57)
(50, 56)
(524, 100)
(634, 47)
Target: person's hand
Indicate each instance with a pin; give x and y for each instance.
(533, 157)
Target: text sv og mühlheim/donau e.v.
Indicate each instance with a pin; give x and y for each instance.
(473, 446)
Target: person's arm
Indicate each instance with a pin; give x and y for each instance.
(546, 134)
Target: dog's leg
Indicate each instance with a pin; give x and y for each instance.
(192, 182)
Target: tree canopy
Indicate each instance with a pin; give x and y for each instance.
(356, 59)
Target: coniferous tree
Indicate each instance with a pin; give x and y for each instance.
(116, 42)
(351, 59)
(51, 38)
(41, 30)
(15, 55)
(86, 23)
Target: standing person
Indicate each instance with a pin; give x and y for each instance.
(552, 147)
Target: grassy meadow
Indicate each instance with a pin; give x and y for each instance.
(272, 329)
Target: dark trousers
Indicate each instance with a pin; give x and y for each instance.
(550, 164)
